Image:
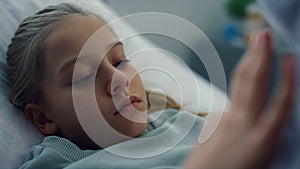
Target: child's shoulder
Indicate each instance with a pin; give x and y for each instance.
(162, 120)
(54, 152)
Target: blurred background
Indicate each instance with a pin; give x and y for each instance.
(227, 23)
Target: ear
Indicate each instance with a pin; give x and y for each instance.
(40, 120)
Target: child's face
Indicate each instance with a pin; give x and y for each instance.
(62, 45)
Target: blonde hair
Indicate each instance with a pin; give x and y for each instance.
(24, 56)
(169, 102)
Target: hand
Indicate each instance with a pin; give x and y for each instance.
(250, 129)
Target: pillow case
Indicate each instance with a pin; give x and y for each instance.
(17, 135)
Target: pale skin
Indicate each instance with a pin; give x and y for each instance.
(242, 139)
(55, 115)
(245, 139)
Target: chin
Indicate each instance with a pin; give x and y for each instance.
(134, 130)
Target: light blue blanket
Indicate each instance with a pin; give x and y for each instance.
(168, 153)
(165, 143)
(284, 17)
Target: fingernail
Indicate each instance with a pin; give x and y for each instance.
(260, 37)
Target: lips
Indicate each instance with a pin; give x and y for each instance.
(127, 103)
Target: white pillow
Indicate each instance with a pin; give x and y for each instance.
(17, 135)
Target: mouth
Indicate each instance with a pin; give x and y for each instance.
(127, 105)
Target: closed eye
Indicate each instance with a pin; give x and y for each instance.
(84, 80)
(120, 63)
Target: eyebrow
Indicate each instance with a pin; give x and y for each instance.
(67, 63)
(74, 59)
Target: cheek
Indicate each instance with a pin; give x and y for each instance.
(104, 101)
(136, 84)
(57, 100)
(60, 108)
(137, 87)
(60, 104)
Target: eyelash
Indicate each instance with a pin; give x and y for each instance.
(120, 63)
(84, 80)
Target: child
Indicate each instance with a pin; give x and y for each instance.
(41, 61)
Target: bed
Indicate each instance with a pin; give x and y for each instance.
(17, 135)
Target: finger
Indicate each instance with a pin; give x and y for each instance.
(249, 87)
(283, 101)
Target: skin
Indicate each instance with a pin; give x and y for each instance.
(248, 133)
(55, 115)
(242, 140)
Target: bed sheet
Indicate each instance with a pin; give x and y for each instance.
(17, 135)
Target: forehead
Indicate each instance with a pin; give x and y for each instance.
(67, 39)
(72, 31)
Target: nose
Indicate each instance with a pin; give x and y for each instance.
(119, 84)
